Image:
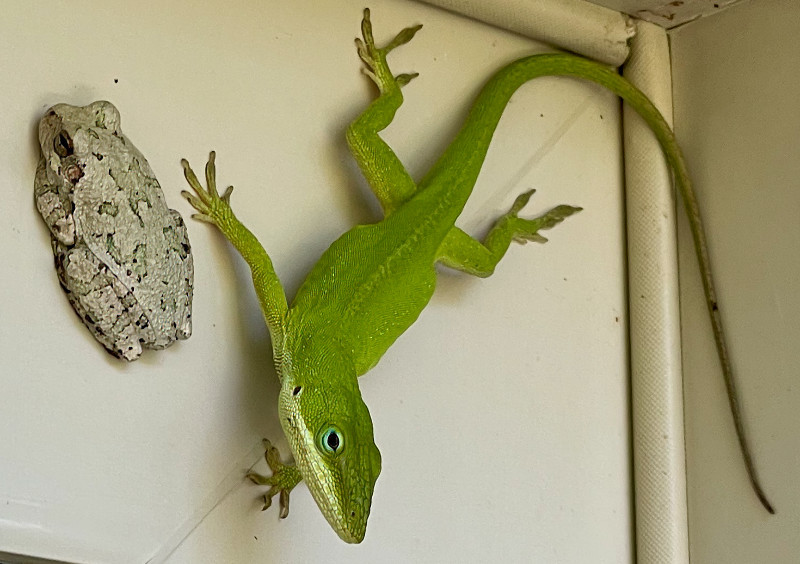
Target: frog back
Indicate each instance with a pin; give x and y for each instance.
(121, 216)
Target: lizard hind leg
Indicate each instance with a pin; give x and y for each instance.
(388, 179)
(462, 252)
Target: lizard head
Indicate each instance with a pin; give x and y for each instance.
(329, 429)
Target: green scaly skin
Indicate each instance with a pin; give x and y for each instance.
(373, 282)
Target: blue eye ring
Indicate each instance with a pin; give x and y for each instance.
(331, 440)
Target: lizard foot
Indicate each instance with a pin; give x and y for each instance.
(211, 207)
(375, 58)
(524, 230)
(284, 478)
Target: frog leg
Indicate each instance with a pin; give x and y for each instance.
(54, 207)
(103, 303)
(216, 210)
(183, 249)
(462, 252)
(386, 175)
(284, 478)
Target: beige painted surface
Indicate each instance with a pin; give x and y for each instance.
(737, 83)
(502, 415)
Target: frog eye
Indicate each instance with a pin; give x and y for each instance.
(331, 440)
(62, 144)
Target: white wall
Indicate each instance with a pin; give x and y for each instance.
(502, 414)
(736, 85)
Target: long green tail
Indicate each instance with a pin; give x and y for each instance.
(468, 151)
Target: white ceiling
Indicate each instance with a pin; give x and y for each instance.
(667, 13)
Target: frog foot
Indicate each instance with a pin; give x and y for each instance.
(524, 230)
(211, 207)
(284, 478)
(375, 58)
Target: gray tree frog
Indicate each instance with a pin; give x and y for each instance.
(122, 256)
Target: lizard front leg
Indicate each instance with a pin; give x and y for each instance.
(283, 480)
(464, 253)
(384, 172)
(216, 210)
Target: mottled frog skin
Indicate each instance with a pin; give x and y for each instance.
(122, 256)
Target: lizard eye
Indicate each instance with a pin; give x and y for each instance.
(331, 440)
(62, 144)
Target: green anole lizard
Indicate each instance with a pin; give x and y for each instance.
(373, 282)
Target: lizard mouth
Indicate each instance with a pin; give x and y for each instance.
(350, 523)
(352, 537)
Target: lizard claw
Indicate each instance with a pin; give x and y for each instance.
(210, 206)
(377, 69)
(524, 230)
(284, 478)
